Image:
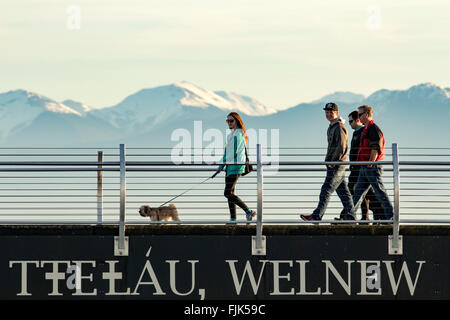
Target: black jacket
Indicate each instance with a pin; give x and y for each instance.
(354, 146)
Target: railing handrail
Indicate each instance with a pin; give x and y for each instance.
(203, 166)
(171, 163)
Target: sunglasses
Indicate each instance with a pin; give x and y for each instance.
(351, 121)
(230, 121)
(362, 113)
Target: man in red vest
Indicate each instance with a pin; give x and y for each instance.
(371, 148)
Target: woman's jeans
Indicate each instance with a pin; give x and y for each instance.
(335, 181)
(233, 200)
(372, 177)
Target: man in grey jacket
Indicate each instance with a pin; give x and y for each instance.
(335, 179)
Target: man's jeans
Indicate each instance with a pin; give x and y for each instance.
(335, 181)
(372, 177)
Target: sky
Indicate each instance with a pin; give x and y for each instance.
(280, 52)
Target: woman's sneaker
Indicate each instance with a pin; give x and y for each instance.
(249, 215)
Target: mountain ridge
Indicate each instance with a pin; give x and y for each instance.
(156, 112)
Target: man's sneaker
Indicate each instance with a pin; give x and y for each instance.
(250, 215)
(349, 217)
(232, 221)
(308, 217)
(338, 219)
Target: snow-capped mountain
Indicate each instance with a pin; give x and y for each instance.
(417, 116)
(24, 111)
(79, 107)
(151, 107)
(425, 93)
(150, 116)
(19, 108)
(246, 105)
(341, 97)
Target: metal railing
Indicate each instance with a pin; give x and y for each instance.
(107, 186)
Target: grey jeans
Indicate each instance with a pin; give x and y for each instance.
(335, 181)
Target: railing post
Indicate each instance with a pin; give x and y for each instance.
(100, 188)
(121, 247)
(259, 242)
(395, 241)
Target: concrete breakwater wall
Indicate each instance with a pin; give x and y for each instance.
(199, 262)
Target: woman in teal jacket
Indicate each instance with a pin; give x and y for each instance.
(235, 152)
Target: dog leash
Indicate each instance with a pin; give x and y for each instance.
(189, 189)
(215, 174)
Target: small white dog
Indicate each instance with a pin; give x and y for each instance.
(165, 213)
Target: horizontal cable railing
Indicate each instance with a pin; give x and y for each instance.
(83, 185)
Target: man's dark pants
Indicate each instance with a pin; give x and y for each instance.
(371, 177)
(372, 203)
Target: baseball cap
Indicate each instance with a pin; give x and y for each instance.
(331, 106)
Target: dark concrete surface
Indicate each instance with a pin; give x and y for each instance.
(238, 229)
